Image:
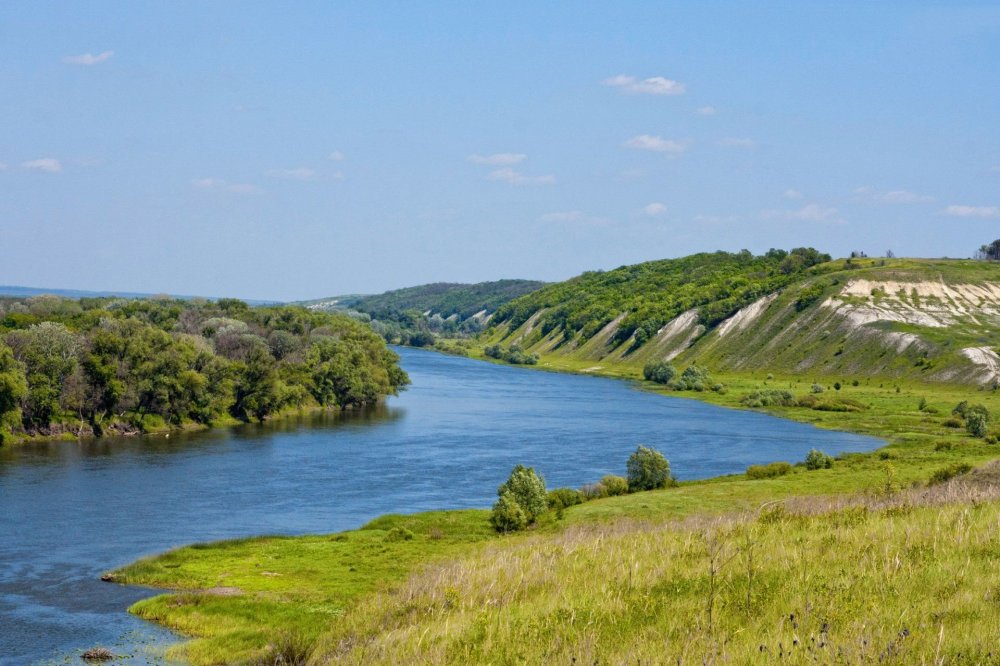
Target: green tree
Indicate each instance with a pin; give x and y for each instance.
(816, 459)
(13, 388)
(507, 515)
(977, 420)
(527, 489)
(660, 372)
(647, 470)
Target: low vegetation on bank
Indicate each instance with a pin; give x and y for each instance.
(113, 365)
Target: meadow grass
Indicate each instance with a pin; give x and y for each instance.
(417, 589)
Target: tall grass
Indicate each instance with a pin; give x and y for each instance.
(908, 577)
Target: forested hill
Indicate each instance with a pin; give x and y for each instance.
(98, 364)
(788, 312)
(412, 315)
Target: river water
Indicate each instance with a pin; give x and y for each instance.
(70, 510)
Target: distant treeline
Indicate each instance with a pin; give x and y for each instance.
(97, 363)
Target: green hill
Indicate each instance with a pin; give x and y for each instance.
(935, 320)
(415, 314)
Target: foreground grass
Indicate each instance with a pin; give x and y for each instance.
(360, 596)
(911, 578)
(240, 596)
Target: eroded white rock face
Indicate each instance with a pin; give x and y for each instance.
(926, 303)
(678, 334)
(986, 359)
(746, 316)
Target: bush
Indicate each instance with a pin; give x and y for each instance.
(647, 470)
(977, 420)
(943, 445)
(399, 534)
(507, 515)
(522, 498)
(816, 388)
(560, 498)
(614, 485)
(660, 372)
(768, 471)
(952, 422)
(694, 378)
(816, 459)
(769, 398)
(948, 473)
(592, 491)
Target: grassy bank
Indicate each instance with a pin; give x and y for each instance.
(441, 587)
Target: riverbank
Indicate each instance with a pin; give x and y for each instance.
(294, 592)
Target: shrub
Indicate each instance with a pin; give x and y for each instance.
(660, 372)
(647, 470)
(399, 534)
(952, 422)
(816, 388)
(923, 404)
(592, 491)
(769, 398)
(507, 515)
(694, 378)
(960, 409)
(522, 498)
(816, 459)
(977, 420)
(768, 471)
(614, 485)
(943, 445)
(950, 472)
(560, 498)
(836, 386)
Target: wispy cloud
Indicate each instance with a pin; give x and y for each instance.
(498, 159)
(338, 156)
(655, 85)
(892, 196)
(792, 194)
(88, 58)
(734, 142)
(654, 209)
(222, 186)
(46, 164)
(657, 144)
(705, 111)
(573, 216)
(809, 213)
(514, 177)
(297, 173)
(972, 211)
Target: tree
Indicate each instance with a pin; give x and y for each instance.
(522, 498)
(977, 420)
(647, 470)
(990, 252)
(816, 459)
(13, 388)
(660, 372)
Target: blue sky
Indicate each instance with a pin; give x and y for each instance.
(298, 150)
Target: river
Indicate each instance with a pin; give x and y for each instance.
(71, 510)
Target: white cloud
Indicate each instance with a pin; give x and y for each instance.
(705, 111)
(220, 185)
(508, 175)
(972, 211)
(88, 58)
(498, 159)
(46, 164)
(656, 85)
(808, 213)
(892, 196)
(654, 209)
(792, 194)
(574, 216)
(732, 142)
(298, 173)
(562, 216)
(657, 144)
(337, 156)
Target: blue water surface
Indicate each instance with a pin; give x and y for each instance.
(69, 510)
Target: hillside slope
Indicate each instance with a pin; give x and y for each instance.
(932, 320)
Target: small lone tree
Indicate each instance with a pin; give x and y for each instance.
(977, 420)
(522, 498)
(647, 470)
(816, 459)
(660, 372)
